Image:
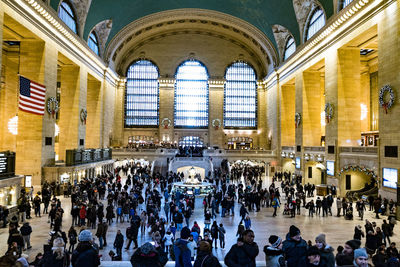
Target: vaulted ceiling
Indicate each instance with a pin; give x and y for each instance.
(260, 13)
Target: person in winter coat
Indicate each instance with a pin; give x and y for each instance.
(148, 256)
(26, 231)
(295, 248)
(205, 257)
(379, 259)
(73, 238)
(314, 257)
(119, 243)
(247, 222)
(347, 256)
(85, 253)
(57, 256)
(221, 235)
(214, 233)
(358, 232)
(244, 252)
(181, 251)
(360, 258)
(273, 253)
(326, 251)
(275, 205)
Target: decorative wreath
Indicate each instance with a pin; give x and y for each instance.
(52, 106)
(216, 123)
(386, 105)
(83, 115)
(328, 112)
(166, 123)
(297, 119)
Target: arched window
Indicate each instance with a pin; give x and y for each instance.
(240, 96)
(66, 14)
(289, 48)
(141, 95)
(93, 43)
(191, 95)
(344, 3)
(316, 22)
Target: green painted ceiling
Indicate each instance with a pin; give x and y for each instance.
(260, 13)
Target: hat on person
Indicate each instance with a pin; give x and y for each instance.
(354, 243)
(204, 246)
(85, 235)
(185, 233)
(321, 239)
(361, 252)
(313, 251)
(147, 248)
(274, 240)
(293, 231)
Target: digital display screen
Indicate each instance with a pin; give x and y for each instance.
(389, 177)
(298, 163)
(330, 167)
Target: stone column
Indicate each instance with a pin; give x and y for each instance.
(287, 111)
(118, 129)
(262, 117)
(216, 111)
(299, 91)
(311, 118)
(109, 95)
(94, 110)
(166, 111)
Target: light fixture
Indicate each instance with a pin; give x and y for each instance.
(364, 111)
(13, 125)
(12, 191)
(1, 195)
(56, 130)
(323, 123)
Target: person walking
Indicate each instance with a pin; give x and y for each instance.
(221, 235)
(57, 256)
(244, 252)
(26, 231)
(72, 236)
(119, 242)
(214, 233)
(85, 253)
(181, 251)
(275, 204)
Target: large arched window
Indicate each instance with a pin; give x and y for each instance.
(344, 3)
(240, 96)
(141, 95)
(191, 95)
(93, 42)
(66, 14)
(289, 48)
(316, 22)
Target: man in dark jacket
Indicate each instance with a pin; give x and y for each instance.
(26, 231)
(295, 248)
(119, 243)
(347, 256)
(148, 256)
(181, 251)
(244, 252)
(85, 253)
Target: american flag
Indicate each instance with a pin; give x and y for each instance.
(32, 96)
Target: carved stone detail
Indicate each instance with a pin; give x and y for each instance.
(302, 8)
(281, 35)
(103, 30)
(82, 10)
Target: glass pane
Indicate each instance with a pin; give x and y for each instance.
(316, 23)
(191, 95)
(290, 48)
(93, 43)
(141, 95)
(67, 16)
(240, 98)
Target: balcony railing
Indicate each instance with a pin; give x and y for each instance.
(314, 149)
(359, 150)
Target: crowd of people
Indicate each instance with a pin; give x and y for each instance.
(148, 205)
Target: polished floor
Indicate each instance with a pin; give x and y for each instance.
(337, 229)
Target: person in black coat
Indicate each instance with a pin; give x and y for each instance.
(85, 253)
(119, 242)
(205, 256)
(295, 248)
(244, 252)
(148, 256)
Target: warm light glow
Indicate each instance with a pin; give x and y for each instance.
(364, 111)
(12, 192)
(13, 125)
(56, 130)
(1, 195)
(323, 123)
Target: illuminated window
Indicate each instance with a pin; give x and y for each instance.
(66, 14)
(141, 95)
(240, 96)
(289, 48)
(344, 3)
(191, 95)
(316, 22)
(191, 141)
(93, 43)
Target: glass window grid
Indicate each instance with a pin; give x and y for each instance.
(317, 21)
(191, 95)
(290, 48)
(191, 141)
(240, 97)
(66, 14)
(345, 3)
(142, 95)
(93, 43)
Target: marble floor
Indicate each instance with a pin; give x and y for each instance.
(337, 229)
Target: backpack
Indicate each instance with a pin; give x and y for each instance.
(273, 202)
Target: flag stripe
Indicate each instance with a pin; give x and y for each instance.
(32, 97)
(32, 100)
